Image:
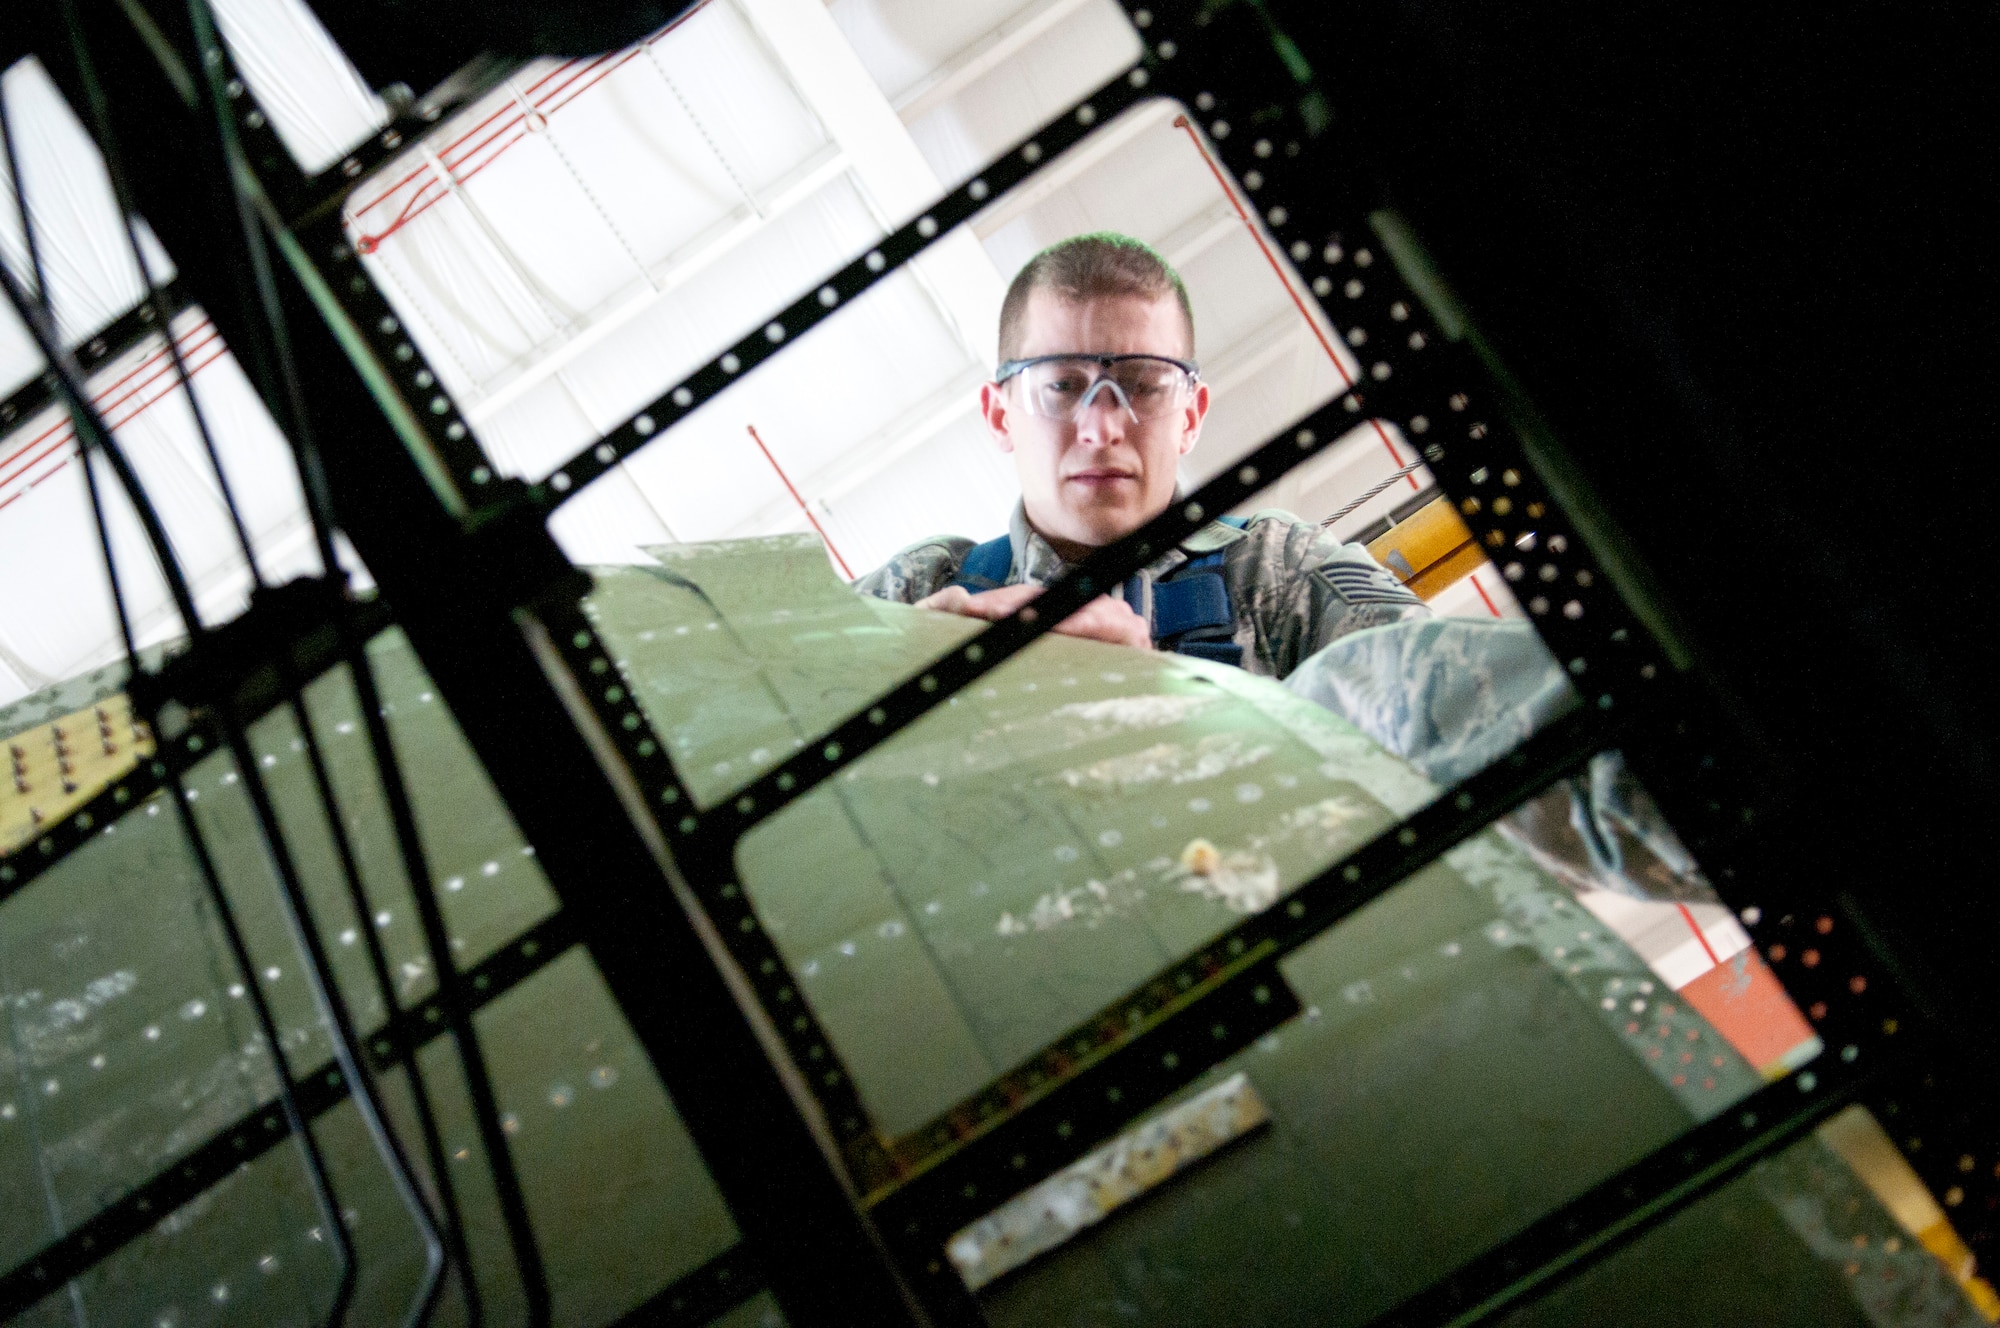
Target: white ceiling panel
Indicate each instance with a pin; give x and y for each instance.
(318, 103)
(957, 483)
(737, 89)
(470, 308)
(540, 428)
(1274, 389)
(720, 304)
(92, 275)
(848, 380)
(902, 42)
(1004, 102)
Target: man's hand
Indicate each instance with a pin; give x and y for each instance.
(1106, 618)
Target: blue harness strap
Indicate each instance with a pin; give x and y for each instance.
(1192, 613)
(986, 565)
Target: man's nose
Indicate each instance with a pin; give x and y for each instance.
(1102, 415)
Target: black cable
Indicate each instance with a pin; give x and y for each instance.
(42, 299)
(435, 1248)
(89, 427)
(457, 1002)
(107, 145)
(92, 433)
(289, 396)
(362, 1088)
(295, 1120)
(278, 356)
(298, 910)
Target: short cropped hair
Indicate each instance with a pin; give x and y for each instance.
(1089, 267)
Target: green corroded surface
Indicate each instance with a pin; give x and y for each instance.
(130, 1042)
(1472, 1052)
(1013, 862)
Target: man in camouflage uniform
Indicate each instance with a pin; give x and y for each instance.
(1097, 399)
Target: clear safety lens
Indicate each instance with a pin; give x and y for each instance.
(1144, 387)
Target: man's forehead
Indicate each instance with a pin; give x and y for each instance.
(1057, 321)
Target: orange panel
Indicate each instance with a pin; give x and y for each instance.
(1745, 1002)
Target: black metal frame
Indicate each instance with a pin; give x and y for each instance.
(106, 344)
(464, 556)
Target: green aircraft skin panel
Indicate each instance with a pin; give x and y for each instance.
(1014, 861)
(955, 900)
(130, 1042)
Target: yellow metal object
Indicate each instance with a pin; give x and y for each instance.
(56, 767)
(1430, 551)
(1866, 1147)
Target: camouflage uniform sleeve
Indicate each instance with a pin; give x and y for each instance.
(1297, 589)
(922, 569)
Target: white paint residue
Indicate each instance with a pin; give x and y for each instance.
(1171, 762)
(1134, 712)
(1332, 815)
(1089, 903)
(1088, 1190)
(58, 1029)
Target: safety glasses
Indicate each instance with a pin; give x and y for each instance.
(1062, 387)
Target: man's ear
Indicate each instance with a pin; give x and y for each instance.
(1192, 415)
(993, 412)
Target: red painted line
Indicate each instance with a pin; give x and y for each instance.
(1181, 122)
(1688, 918)
(587, 74)
(114, 395)
(506, 109)
(424, 200)
(1484, 597)
(845, 570)
(69, 437)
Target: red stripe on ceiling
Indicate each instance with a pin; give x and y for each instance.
(424, 198)
(545, 102)
(147, 372)
(63, 445)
